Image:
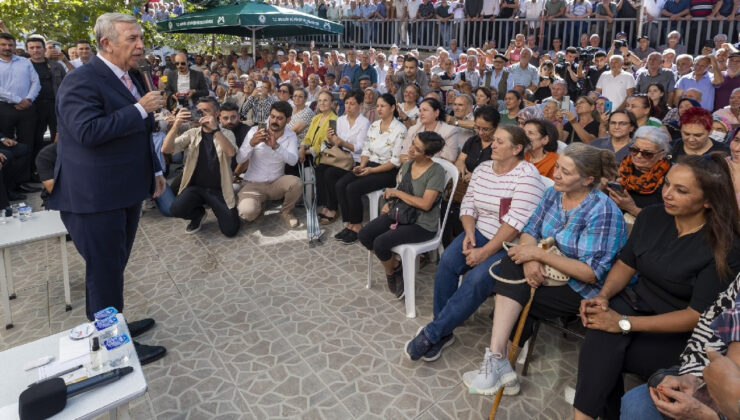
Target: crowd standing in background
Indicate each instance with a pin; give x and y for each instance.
(625, 153)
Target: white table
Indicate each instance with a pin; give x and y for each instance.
(111, 398)
(42, 225)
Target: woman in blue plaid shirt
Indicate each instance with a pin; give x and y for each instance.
(588, 229)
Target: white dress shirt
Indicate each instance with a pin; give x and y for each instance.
(267, 164)
(355, 135)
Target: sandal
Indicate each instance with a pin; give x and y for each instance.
(326, 220)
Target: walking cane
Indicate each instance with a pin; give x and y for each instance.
(512, 351)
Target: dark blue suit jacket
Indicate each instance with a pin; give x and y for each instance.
(105, 157)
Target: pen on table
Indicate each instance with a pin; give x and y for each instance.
(56, 375)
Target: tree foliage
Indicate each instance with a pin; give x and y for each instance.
(67, 21)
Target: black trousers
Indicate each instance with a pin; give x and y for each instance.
(605, 356)
(16, 164)
(189, 205)
(378, 236)
(46, 117)
(548, 302)
(104, 240)
(454, 226)
(4, 202)
(20, 125)
(351, 188)
(327, 178)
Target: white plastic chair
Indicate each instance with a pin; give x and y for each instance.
(547, 181)
(561, 147)
(373, 200)
(409, 252)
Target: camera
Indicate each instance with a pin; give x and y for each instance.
(619, 43)
(586, 55)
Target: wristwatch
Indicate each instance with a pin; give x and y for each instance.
(457, 123)
(625, 325)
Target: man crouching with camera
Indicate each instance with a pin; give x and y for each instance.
(207, 175)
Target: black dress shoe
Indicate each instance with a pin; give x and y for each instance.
(16, 196)
(149, 354)
(28, 188)
(137, 328)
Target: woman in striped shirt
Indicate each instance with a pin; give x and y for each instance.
(588, 229)
(501, 197)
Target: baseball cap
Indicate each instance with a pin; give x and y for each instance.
(622, 34)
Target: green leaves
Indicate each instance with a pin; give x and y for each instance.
(65, 21)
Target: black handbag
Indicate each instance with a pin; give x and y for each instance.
(402, 213)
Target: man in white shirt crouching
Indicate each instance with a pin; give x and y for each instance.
(268, 150)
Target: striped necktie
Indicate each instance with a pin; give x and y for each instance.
(130, 86)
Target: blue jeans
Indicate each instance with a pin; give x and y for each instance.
(453, 305)
(637, 404)
(444, 32)
(165, 200)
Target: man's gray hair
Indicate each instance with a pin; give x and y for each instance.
(105, 26)
(467, 98)
(655, 135)
(720, 36)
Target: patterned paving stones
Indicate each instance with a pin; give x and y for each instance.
(262, 326)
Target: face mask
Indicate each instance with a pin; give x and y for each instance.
(717, 136)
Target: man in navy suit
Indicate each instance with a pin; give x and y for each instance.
(106, 163)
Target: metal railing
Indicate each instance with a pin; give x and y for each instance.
(430, 34)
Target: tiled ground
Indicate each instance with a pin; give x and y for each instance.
(261, 326)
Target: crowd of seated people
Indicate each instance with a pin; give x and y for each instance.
(659, 159)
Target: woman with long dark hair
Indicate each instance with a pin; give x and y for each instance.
(656, 93)
(684, 254)
(514, 102)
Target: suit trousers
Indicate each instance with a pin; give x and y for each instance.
(16, 164)
(104, 240)
(46, 117)
(189, 205)
(20, 125)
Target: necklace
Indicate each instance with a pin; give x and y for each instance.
(689, 232)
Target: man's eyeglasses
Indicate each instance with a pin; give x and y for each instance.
(483, 129)
(283, 91)
(634, 151)
(180, 63)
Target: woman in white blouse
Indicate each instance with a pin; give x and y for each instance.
(350, 136)
(377, 169)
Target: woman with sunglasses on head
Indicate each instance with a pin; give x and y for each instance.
(547, 76)
(642, 172)
(302, 115)
(543, 139)
(583, 125)
(684, 253)
(696, 125)
(259, 103)
(621, 124)
(408, 110)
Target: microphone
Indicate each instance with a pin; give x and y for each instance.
(48, 398)
(145, 69)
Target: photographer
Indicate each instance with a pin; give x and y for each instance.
(568, 72)
(591, 77)
(207, 175)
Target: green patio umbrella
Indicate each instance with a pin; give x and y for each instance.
(251, 19)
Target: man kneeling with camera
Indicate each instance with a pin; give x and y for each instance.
(206, 177)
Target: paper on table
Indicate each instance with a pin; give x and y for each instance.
(72, 349)
(52, 369)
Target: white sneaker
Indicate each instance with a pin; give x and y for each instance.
(495, 372)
